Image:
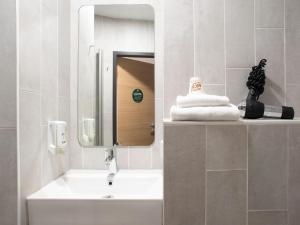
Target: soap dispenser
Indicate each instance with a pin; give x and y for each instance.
(57, 139)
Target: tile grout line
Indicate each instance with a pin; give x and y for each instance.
(30, 91)
(206, 174)
(82, 158)
(247, 175)
(269, 28)
(151, 157)
(239, 68)
(209, 84)
(226, 170)
(8, 128)
(284, 51)
(267, 210)
(225, 48)
(194, 37)
(40, 81)
(288, 173)
(128, 157)
(18, 113)
(254, 28)
(57, 59)
(292, 84)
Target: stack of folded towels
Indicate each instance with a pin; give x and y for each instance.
(202, 106)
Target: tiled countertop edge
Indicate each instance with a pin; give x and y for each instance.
(238, 122)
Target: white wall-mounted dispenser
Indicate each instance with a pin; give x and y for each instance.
(57, 139)
(88, 131)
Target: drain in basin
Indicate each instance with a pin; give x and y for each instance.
(108, 196)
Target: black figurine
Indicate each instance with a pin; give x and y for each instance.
(256, 80)
(254, 109)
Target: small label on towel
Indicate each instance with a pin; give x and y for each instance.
(196, 86)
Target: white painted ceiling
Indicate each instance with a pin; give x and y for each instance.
(136, 12)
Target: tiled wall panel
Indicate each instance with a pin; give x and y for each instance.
(261, 189)
(184, 190)
(231, 36)
(44, 84)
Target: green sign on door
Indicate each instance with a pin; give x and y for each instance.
(137, 95)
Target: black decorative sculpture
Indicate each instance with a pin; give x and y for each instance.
(256, 80)
(254, 109)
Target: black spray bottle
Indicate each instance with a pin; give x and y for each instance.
(251, 108)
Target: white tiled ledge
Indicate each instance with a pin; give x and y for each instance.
(238, 122)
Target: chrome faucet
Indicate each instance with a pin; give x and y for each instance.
(111, 164)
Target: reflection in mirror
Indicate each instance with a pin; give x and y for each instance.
(116, 89)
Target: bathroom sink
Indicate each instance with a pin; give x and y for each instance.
(83, 197)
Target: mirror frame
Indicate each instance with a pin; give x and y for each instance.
(97, 3)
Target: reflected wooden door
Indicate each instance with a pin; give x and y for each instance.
(135, 101)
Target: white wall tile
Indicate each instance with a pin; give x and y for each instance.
(267, 167)
(53, 165)
(236, 84)
(39, 70)
(270, 46)
(8, 177)
(214, 89)
(239, 29)
(76, 153)
(292, 41)
(64, 48)
(30, 146)
(8, 69)
(49, 108)
(209, 48)
(292, 98)
(93, 158)
(123, 158)
(178, 49)
(269, 13)
(49, 51)
(157, 147)
(50, 5)
(140, 158)
(29, 44)
(8, 98)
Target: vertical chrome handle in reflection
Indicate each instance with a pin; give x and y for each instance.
(99, 93)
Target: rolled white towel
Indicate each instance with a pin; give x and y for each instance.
(228, 112)
(196, 100)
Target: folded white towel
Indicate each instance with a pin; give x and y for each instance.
(228, 112)
(196, 100)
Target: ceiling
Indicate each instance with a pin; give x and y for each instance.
(135, 12)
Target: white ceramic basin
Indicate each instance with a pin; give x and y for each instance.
(82, 197)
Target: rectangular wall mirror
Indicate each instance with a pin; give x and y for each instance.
(116, 91)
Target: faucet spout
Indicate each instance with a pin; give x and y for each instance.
(110, 179)
(111, 164)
